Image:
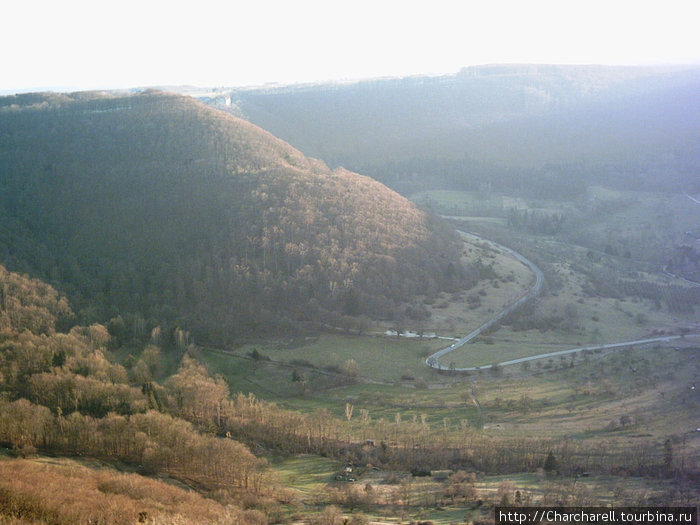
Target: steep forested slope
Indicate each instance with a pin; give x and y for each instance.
(159, 206)
(61, 394)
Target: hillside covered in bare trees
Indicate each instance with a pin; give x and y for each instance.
(159, 207)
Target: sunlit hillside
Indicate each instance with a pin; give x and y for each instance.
(157, 206)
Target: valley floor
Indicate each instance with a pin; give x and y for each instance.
(621, 401)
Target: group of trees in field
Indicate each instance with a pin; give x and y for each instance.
(685, 262)
(158, 205)
(678, 299)
(536, 222)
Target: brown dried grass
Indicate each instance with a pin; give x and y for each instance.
(65, 492)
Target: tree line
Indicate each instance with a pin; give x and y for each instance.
(60, 393)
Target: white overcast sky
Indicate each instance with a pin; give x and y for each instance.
(88, 44)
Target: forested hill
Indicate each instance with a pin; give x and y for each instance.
(159, 207)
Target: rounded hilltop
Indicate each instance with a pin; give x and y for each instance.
(156, 205)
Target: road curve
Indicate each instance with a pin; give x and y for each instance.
(433, 360)
(691, 198)
(664, 339)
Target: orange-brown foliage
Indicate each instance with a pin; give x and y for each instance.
(66, 492)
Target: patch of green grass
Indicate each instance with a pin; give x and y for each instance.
(379, 358)
(307, 474)
(560, 400)
(447, 201)
(445, 516)
(481, 353)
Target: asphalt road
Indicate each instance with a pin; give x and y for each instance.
(433, 360)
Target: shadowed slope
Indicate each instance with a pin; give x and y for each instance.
(157, 205)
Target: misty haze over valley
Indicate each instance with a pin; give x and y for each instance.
(393, 300)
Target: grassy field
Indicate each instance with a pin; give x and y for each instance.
(392, 376)
(465, 203)
(583, 398)
(308, 475)
(380, 359)
(393, 497)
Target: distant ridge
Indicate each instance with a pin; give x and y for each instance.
(498, 116)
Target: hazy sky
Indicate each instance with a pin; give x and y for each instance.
(86, 44)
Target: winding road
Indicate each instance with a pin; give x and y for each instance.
(433, 360)
(691, 198)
